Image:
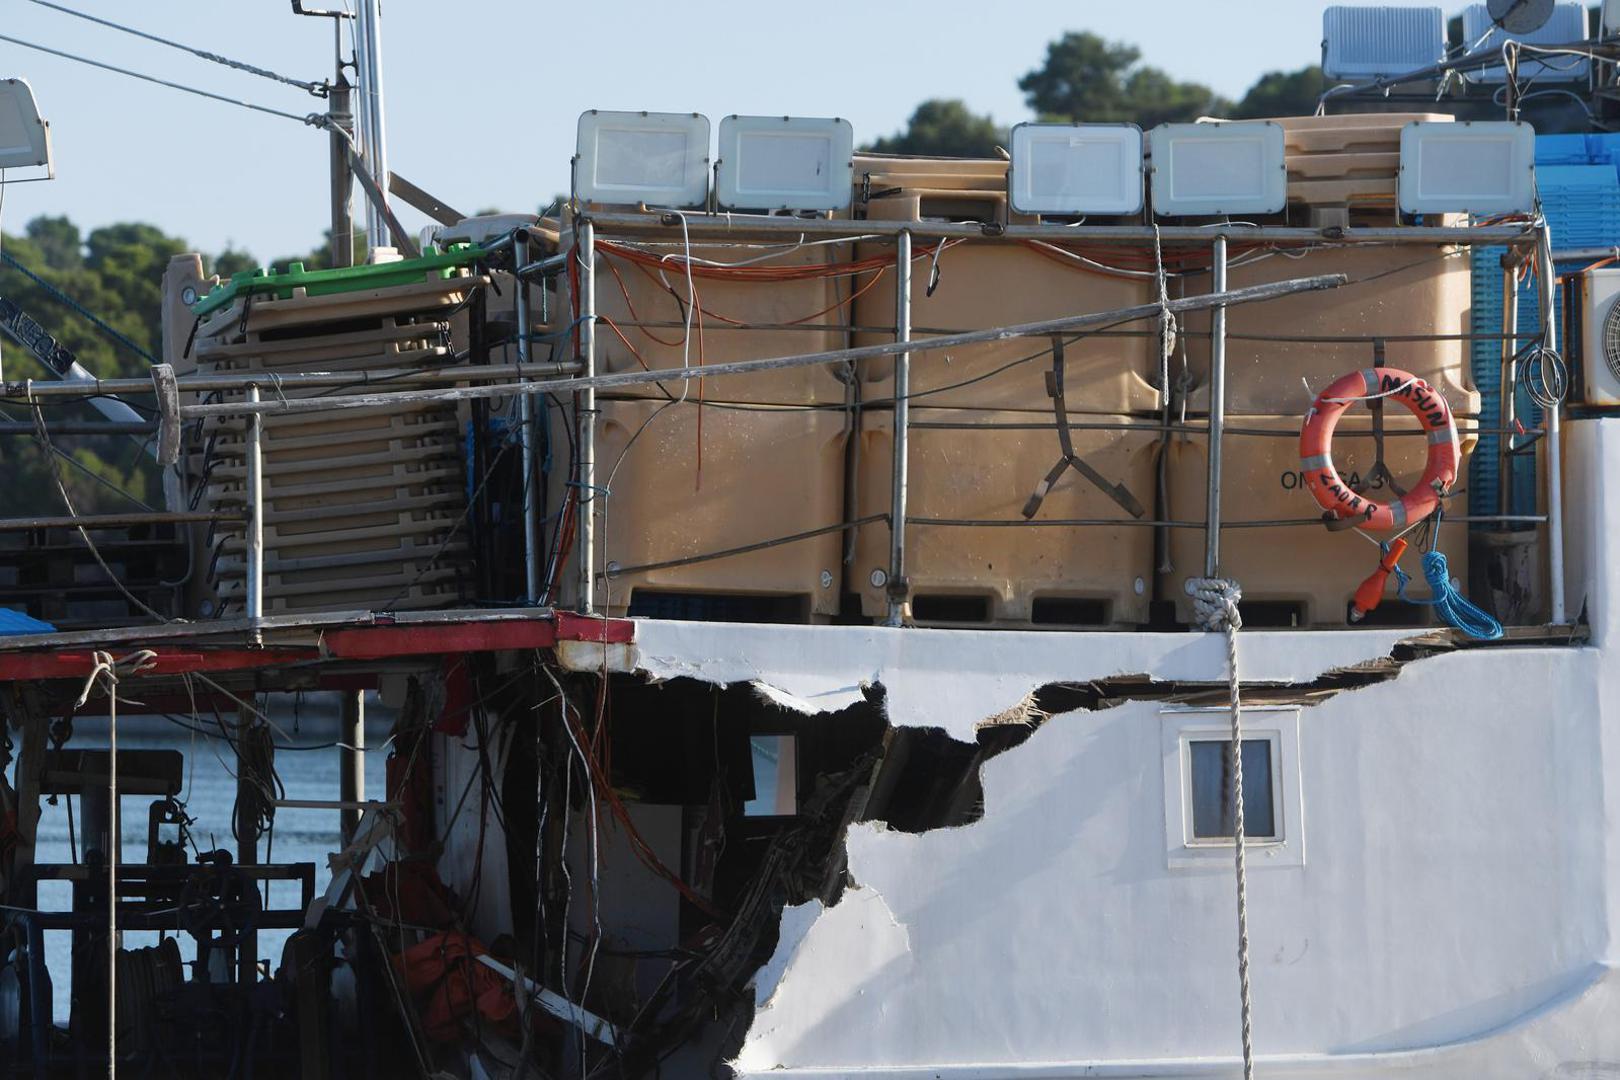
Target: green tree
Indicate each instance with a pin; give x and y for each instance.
(58, 240)
(1088, 79)
(1283, 93)
(116, 272)
(944, 128)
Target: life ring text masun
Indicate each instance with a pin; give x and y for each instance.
(1316, 449)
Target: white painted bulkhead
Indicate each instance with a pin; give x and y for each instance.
(1452, 912)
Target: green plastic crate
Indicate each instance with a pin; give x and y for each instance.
(280, 285)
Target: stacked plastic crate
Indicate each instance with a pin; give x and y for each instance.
(1580, 195)
(361, 507)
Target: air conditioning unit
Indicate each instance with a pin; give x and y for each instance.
(1599, 374)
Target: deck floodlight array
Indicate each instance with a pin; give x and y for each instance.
(25, 138)
(784, 163)
(1372, 42)
(1218, 168)
(661, 159)
(1075, 169)
(1480, 167)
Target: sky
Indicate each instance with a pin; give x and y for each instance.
(482, 96)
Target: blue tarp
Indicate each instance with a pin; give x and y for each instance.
(15, 622)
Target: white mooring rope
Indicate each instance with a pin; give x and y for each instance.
(105, 672)
(1215, 608)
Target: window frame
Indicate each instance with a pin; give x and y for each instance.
(1278, 725)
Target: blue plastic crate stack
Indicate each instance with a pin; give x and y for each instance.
(1580, 193)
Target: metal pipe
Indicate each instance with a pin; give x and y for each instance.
(340, 110)
(249, 803)
(352, 763)
(1554, 445)
(591, 382)
(1574, 254)
(526, 403)
(80, 427)
(255, 522)
(103, 521)
(273, 381)
(585, 415)
(550, 263)
(1507, 389)
(741, 226)
(1217, 412)
(898, 590)
(376, 142)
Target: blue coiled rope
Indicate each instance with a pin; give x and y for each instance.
(1450, 604)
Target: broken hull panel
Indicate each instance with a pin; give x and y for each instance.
(1440, 901)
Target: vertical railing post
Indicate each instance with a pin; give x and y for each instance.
(526, 422)
(1217, 412)
(255, 523)
(1507, 405)
(898, 587)
(1552, 440)
(352, 748)
(585, 411)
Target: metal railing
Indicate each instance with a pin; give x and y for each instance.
(583, 379)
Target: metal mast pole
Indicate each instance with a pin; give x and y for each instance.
(368, 59)
(341, 112)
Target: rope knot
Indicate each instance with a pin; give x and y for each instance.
(1215, 603)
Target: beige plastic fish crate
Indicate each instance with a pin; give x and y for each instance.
(393, 343)
(933, 189)
(1346, 161)
(349, 310)
(1299, 575)
(741, 320)
(392, 585)
(990, 283)
(765, 474)
(1274, 366)
(1008, 575)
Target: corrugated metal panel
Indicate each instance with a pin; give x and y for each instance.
(1582, 204)
(1568, 23)
(1367, 42)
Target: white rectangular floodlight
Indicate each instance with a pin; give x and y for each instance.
(661, 159)
(1370, 42)
(1477, 166)
(1075, 169)
(785, 163)
(1223, 168)
(25, 139)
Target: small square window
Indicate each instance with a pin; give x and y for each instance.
(1195, 746)
(1211, 764)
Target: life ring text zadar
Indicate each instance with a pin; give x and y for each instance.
(1316, 448)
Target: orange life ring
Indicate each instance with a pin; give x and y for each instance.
(1316, 457)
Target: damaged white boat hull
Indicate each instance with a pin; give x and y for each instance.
(1441, 898)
